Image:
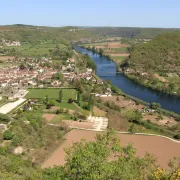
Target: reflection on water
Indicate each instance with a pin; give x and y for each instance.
(106, 69)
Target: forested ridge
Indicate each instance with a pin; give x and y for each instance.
(28, 33)
(161, 54)
(156, 64)
(130, 32)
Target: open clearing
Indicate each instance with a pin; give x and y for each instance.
(162, 148)
(52, 93)
(49, 117)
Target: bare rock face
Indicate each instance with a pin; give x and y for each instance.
(19, 150)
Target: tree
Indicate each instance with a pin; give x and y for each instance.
(103, 159)
(171, 86)
(51, 102)
(22, 66)
(60, 95)
(61, 77)
(46, 99)
(90, 102)
(132, 129)
(78, 98)
(155, 105)
(4, 118)
(133, 116)
(70, 101)
(7, 135)
(101, 51)
(93, 49)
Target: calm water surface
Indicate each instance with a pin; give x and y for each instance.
(106, 70)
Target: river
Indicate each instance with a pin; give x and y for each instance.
(106, 70)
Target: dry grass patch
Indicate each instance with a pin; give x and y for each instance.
(119, 54)
(5, 58)
(49, 117)
(98, 112)
(123, 103)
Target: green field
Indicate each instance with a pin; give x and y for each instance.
(52, 93)
(120, 50)
(66, 105)
(61, 117)
(41, 49)
(118, 59)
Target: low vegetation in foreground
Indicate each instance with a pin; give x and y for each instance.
(102, 159)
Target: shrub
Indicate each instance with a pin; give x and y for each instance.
(70, 101)
(4, 118)
(7, 135)
(177, 136)
(58, 111)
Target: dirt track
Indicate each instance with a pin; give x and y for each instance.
(162, 148)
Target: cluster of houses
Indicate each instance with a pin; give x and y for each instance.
(13, 76)
(17, 77)
(11, 43)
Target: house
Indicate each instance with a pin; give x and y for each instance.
(70, 60)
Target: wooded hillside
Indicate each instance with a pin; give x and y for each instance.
(159, 55)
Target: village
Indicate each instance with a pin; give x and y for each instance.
(35, 73)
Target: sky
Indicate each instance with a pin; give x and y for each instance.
(121, 13)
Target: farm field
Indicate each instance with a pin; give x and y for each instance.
(58, 118)
(52, 93)
(117, 51)
(162, 148)
(5, 58)
(41, 49)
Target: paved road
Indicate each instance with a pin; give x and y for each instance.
(10, 106)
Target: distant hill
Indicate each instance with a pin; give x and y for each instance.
(28, 33)
(130, 32)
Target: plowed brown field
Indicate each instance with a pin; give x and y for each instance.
(162, 148)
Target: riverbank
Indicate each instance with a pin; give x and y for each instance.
(157, 86)
(139, 101)
(114, 51)
(170, 104)
(156, 82)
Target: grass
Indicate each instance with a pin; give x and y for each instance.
(52, 93)
(120, 50)
(61, 117)
(3, 101)
(66, 105)
(118, 59)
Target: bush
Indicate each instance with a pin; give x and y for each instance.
(58, 111)
(7, 135)
(177, 136)
(70, 101)
(155, 105)
(4, 118)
